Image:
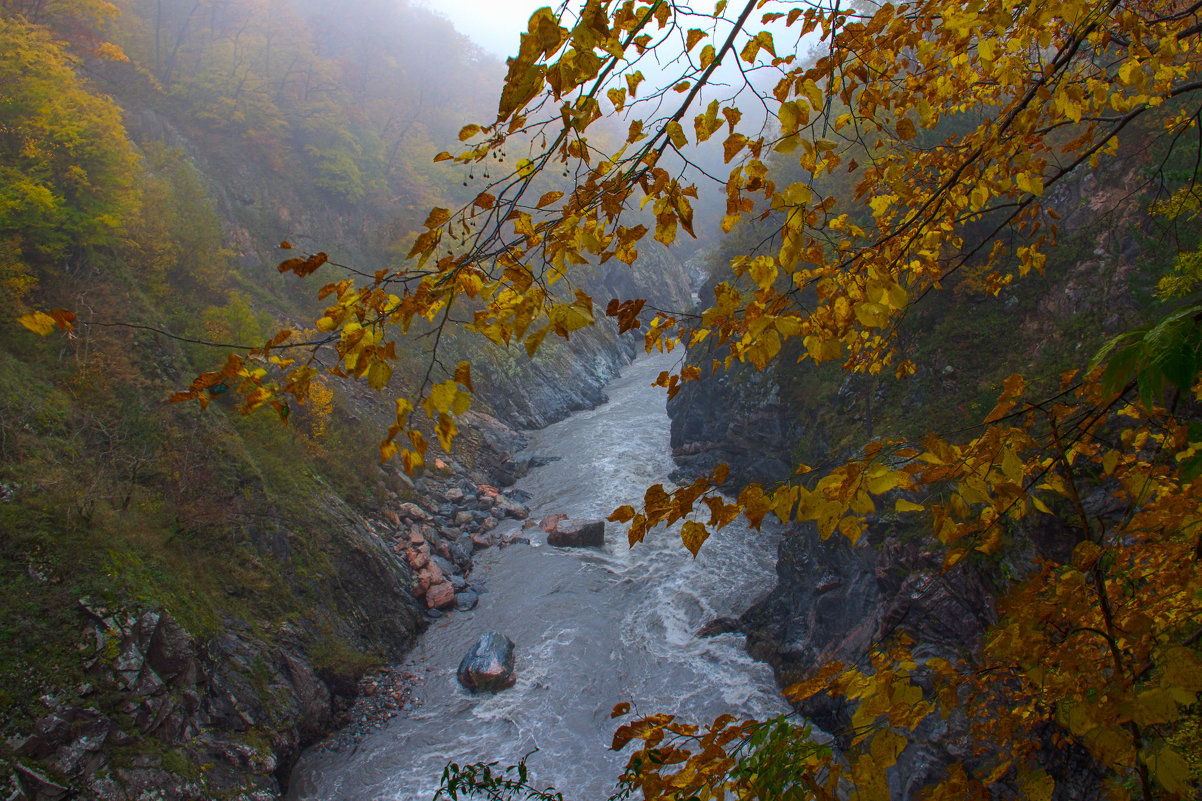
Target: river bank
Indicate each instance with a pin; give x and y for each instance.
(593, 627)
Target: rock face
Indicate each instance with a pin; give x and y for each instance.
(242, 700)
(570, 376)
(736, 418)
(833, 601)
(488, 666)
(578, 534)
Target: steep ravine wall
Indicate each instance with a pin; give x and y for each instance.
(834, 601)
(171, 713)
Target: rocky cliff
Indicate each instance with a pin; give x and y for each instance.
(835, 601)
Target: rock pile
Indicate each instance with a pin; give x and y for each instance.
(437, 539)
(381, 696)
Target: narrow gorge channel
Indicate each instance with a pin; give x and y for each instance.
(593, 627)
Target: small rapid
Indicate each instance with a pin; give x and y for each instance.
(593, 627)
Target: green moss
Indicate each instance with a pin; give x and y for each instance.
(332, 654)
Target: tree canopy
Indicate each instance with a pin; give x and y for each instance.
(67, 171)
(923, 140)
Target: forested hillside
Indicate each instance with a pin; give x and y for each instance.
(188, 597)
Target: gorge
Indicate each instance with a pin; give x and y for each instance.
(328, 341)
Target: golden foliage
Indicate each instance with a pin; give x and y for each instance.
(1100, 647)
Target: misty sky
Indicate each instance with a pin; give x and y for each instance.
(495, 25)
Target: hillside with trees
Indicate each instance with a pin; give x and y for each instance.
(189, 597)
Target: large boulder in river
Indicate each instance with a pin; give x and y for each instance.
(489, 665)
(578, 534)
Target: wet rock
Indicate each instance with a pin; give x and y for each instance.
(444, 467)
(463, 518)
(549, 522)
(578, 534)
(510, 508)
(460, 557)
(459, 583)
(513, 538)
(445, 566)
(488, 666)
(482, 541)
(440, 596)
(417, 558)
(411, 511)
(720, 625)
(466, 600)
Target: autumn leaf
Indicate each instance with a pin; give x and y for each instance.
(693, 535)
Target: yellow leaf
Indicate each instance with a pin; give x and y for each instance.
(880, 479)
(750, 50)
(39, 322)
(447, 430)
(1154, 706)
(463, 375)
(461, 404)
(881, 203)
(1037, 785)
(437, 217)
(905, 129)
(1031, 184)
(903, 505)
(1171, 771)
(885, 747)
(442, 396)
(549, 198)
(676, 134)
(403, 409)
(813, 94)
(623, 514)
(1012, 467)
(1182, 669)
(378, 374)
(468, 131)
(633, 80)
(693, 535)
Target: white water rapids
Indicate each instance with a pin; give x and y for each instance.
(593, 627)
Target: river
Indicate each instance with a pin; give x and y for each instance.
(593, 627)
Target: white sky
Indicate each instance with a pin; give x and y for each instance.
(495, 25)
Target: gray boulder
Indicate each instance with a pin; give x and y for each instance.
(578, 534)
(489, 665)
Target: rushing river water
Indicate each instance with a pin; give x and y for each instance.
(593, 627)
